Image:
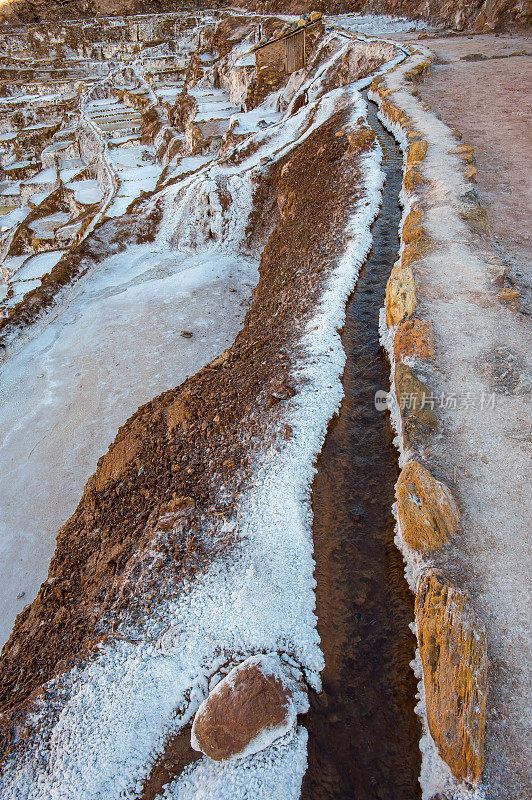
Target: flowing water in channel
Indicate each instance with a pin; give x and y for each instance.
(363, 733)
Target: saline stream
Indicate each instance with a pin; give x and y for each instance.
(363, 733)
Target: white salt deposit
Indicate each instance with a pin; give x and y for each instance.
(36, 266)
(375, 24)
(273, 774)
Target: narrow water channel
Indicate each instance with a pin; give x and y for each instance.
(363, 733)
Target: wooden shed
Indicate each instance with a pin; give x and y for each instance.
(289, 52)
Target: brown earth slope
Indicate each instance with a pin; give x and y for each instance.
(137, 534)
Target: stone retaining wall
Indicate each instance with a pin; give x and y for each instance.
(452, 655)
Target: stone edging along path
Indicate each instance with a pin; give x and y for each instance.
(452, 658)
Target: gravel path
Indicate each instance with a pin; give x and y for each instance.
(480, 86)
(482, 359)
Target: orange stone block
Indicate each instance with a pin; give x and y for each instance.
(426, 511)
(419, 422)
(452, 645)
(412, 230)
(416, 153)
(411, 253)
(400, 295)
(413, 339)
(412, 178)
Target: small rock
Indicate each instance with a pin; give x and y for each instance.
(509, 296)
(281, 391)
(248, 710)
(412, 230)
(507, 373)
(20, 595)
(221, 359)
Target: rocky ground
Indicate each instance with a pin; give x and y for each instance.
(480, 15)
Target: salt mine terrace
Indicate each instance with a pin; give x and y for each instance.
(227, 256)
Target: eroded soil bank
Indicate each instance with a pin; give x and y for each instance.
(363, 732)
(172, 455)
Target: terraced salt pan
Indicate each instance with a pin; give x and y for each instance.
(168, 92)
(20, 289)
(13, 217)
(47, 225)
(71, 169)
(375, 25)
(37, 198)
(45, 176)
(36, 266)
(64, 395)
(86, 192)
(135, 173)
(189, 164)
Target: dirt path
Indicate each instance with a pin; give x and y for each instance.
(480, 87)
(482, 351)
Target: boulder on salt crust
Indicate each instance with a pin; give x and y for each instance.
(255, 704)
